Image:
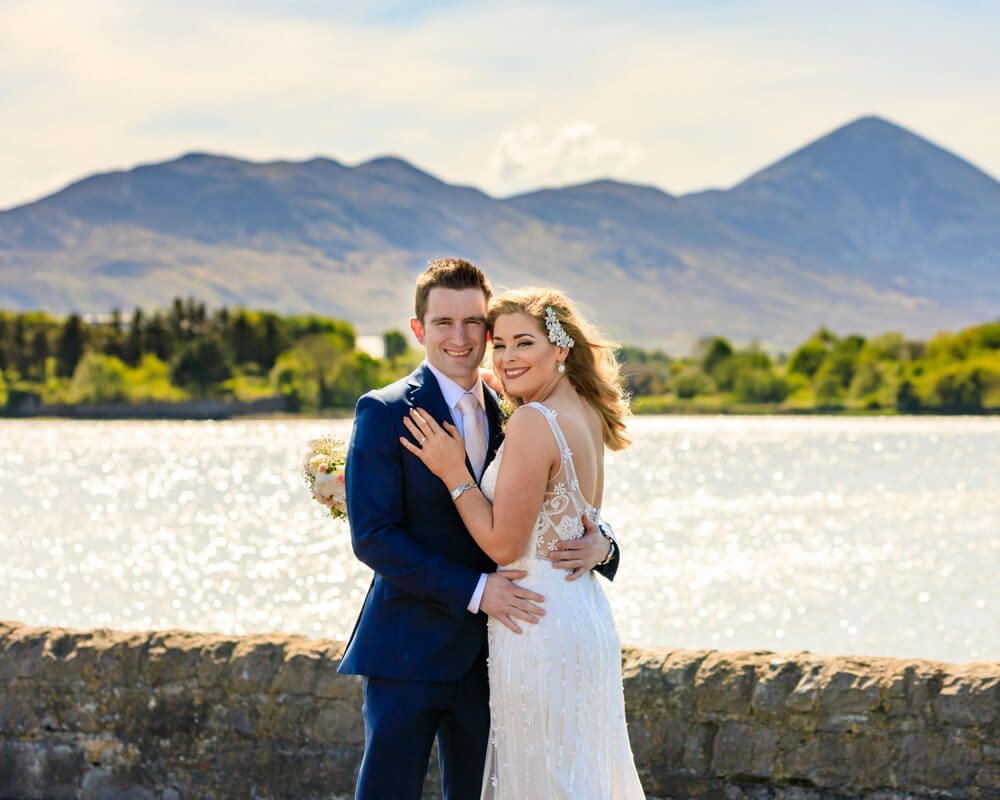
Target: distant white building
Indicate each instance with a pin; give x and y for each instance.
(373, 345)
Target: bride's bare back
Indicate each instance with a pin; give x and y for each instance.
(577, 485)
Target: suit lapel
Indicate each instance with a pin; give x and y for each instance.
(426, 393)
(495, 422)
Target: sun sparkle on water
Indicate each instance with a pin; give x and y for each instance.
(838, 535)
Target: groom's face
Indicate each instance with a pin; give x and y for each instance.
(453, 332)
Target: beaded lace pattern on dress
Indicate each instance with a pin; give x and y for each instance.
(564, 503)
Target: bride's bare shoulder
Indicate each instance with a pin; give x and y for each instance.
(528, 427)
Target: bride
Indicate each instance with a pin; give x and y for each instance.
(557, 710)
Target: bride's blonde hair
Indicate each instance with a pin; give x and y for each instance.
(591, 365)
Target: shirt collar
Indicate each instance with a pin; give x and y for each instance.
(452, 391)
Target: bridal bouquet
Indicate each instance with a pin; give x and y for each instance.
(323, 470)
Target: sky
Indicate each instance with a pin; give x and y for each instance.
(505, 96)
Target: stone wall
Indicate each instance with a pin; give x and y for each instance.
(175, 714)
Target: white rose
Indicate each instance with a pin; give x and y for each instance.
(314, 463)
(339, 489)
(328, 485)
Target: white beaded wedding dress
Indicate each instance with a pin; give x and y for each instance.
(557, 709)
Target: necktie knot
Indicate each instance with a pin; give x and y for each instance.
(468, 403)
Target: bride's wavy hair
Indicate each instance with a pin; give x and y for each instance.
(591, 365)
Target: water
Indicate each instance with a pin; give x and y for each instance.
(837, 535)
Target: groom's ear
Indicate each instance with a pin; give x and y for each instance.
(418, 329)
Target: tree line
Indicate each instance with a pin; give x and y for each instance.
(951, 373)
(186, 351)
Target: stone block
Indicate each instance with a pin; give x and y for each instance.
(254, 663)
(724, 686)
(22, 652)
(966, 700)
(333, 686)
(298, 673)
(742, 750)
(214, 662)
(847, 688)
(805, 696)
(775, 681)
(172, 657)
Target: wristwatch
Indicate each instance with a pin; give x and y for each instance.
(611, 550)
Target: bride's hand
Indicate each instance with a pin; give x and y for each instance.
(441, 449)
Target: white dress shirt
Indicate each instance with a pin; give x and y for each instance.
(452, 394)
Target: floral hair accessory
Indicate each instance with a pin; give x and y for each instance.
(557, 335)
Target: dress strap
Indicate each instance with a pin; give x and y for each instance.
(564, 451)
(550, 416)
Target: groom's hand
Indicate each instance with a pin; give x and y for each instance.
(581, 555)
(505, 601)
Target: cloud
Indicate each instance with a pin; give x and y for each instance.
(524, 158)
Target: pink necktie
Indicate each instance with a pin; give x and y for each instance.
(475, 434)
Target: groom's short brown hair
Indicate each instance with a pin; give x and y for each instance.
(449, 273)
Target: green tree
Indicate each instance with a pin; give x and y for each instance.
(308, 372)
(71, 344)
(132, 347)
(99, 378)
(39, 352)
(157, 338)
(178, 323)
(358, 374)
(5, 356)
(201, 363)
(959, 390)
(394, 345)
(907, 398)
(760, 386)
(644, 379)
(947, 347)
(727, 371)
(19, 346)
(867, 380)
(3, 391)
(241, 338)
(150, 382)
(888, 347)
(714, 351)
(828, 387)
(274, 340)
(114, 342)
(692, 382)
(987, 337)
(808, 358)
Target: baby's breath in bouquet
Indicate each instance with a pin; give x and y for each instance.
(323, 470)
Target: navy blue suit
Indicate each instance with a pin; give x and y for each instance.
(422, 653)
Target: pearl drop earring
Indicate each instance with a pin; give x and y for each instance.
(562, 368)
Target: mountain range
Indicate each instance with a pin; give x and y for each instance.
(869, 228)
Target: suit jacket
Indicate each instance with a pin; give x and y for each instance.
(415, 623)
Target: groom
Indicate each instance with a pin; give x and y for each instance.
(420, 641)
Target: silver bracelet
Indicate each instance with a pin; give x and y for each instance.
(458, 491)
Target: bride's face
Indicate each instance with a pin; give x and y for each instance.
(523, 356)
